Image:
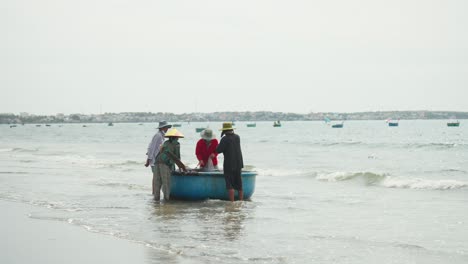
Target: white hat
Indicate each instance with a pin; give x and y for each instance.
(207, 134)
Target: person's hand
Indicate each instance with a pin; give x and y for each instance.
(201, 163)
(147, 163)
(212, 155)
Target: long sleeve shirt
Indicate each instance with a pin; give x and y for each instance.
(154, 146)
(164, 157)
(231, 149)
(203, 152)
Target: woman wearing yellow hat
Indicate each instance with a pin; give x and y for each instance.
(233, 162)
(165, 163)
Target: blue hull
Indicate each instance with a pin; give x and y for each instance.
(207, 185)
(393, 124)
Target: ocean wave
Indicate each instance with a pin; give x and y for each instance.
(369, 177)
(434, 145)
(91, 161)
(457, 171)
(279, 172)
(422, 184)
(18, 150)
(387, 181)
(129, 186)
(13, 172)
(6, 149)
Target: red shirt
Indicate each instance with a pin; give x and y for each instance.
(203, 151)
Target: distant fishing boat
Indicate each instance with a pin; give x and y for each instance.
(176, 125)
(277, 124)
(392, 123)
(196, 185)
(453, 123)
(110, 124)
(252, 125)
(328, 120)
(199, 129)
(337, 125)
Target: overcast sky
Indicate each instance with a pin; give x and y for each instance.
(93, 56)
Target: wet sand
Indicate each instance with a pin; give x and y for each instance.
(27, 240)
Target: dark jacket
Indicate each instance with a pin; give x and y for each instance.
(231, 149)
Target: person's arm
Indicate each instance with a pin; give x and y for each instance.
(151, 151)
(222, 146)
(214, 154)
(153, 148)
(199, 153)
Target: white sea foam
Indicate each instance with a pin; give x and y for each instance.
(423, 184)
(278, 172)
(6, 149)
(91, 161)
(370, 177)
(385, 180)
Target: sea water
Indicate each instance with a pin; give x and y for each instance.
(365, 193)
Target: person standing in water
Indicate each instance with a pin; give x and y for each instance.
(165, 163)
(233, 161)
(153, 151)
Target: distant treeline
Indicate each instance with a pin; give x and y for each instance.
(226, 116)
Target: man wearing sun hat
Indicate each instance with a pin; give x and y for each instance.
(233, 162)
(153, 149)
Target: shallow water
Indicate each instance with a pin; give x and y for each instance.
(360, 194)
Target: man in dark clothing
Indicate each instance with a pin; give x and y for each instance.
(233, 162)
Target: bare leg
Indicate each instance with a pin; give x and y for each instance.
(241, 195)
(231, 195)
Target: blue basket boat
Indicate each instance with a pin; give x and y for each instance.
(196, 185)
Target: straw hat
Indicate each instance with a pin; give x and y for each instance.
(164, 124)
(207, 134)
(173, 132)
(227, 126)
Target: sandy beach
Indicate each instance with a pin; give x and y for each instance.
(27, 240)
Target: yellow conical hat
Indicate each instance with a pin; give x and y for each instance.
(173, 132)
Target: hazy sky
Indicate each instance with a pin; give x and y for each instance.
(92, 56)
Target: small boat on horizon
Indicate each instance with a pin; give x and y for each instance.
(197, 185)
(110, 124)
(277, 124)
(177, 125)
(199, 129)
(453, 123)
(252, 125)
(392, 123)
(338, 125)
